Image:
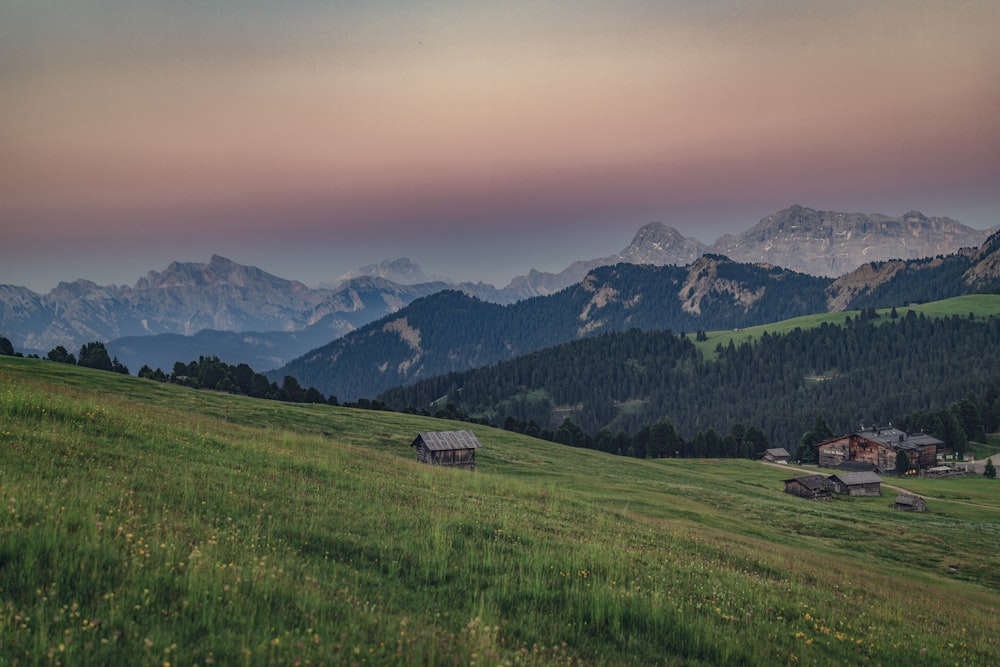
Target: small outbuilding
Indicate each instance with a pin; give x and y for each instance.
(777, 455)
(910, 503)
(447, 448)
(814, 487)
(856, 483)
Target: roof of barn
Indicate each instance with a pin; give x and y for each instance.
(438, 441)
(811, 482)
(852, 478)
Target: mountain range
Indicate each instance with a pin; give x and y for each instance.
(451, 331)
(243, 314)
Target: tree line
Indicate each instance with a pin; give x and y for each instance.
(867, 370)
(91, 355)
(211, 373)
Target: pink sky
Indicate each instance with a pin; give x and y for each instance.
(479, 139)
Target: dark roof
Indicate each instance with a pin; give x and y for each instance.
(857, 466)
(907, 499)
(925, 439)
(897, 439)
(438, 441)
(811, 482)
(777, 451)
(852, 478)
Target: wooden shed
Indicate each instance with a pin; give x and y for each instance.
(447, 448)
(910, 503)
(777, 455)
(814, 487)
(857, 483)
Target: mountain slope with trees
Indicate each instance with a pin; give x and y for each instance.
(453, 332)
(450, 331)
(870, 370)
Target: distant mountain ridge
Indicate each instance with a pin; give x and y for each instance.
(187, 298)
(451, 332)
(820, 243)
(222, 296)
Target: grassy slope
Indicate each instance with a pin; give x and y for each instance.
(981, 305)
(150, 524)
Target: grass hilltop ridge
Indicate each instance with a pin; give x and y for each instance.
(147, 523)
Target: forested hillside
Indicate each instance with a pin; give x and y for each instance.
(869, 370)
(450, 331)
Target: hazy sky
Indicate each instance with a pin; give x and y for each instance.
(480, 139)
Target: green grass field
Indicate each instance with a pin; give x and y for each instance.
(980, 305)
(148, 524)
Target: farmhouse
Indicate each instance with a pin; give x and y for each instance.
(880, 447)
(447, 448)
(777, 455)
(856, 483)
(814, 487)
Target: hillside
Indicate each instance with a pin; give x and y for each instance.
(146, 523)
(449, 331)
(860, 369)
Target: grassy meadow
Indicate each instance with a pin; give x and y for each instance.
(148, 524)
(979, 305)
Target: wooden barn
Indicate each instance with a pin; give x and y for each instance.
(910, 503)
(777, 455)
(447, 448)
(856, 483)
(814, 487)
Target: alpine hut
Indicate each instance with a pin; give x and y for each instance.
(777, 455)
(910, 503)
(814, 487)
(447, 448)
(857, 483)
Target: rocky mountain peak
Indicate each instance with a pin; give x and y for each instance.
(402, 271)
(833, 243)
(986, 267)
(661, 245)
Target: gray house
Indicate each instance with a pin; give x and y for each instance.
(447, 448)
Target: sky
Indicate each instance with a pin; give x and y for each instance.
(480, 139)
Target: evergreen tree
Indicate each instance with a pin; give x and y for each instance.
(989, 470)
(902, 463)
(970, 417)
(291, 390)
(807, 444)
(313, 395)
(61, 355)
(95, 355)
(6, 348)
